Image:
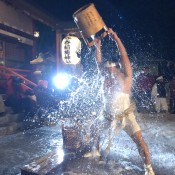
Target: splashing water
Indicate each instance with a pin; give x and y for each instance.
(84, 109)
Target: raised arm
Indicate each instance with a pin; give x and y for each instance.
(123, 54)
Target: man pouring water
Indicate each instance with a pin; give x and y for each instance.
(117, 88)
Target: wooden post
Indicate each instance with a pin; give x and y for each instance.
(58, 50)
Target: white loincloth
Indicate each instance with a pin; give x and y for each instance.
(116, 104)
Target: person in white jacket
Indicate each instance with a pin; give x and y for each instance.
(159, 95)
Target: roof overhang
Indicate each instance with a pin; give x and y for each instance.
(41, 16)
(33, 12)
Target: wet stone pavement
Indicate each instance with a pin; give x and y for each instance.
(22, 148)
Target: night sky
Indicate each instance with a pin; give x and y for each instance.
(147, 27)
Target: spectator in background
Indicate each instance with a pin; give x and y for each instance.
(163, 68)
(45, 96)
(13, 97)
(159, 95)
(19, 96)
(42, 93)
(144, 84)
(2, 107)
(172, 95)
(2, 89)
(166, 69)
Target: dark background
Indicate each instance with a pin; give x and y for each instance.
(147, 27)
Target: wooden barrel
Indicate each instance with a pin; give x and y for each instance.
(89, 22)
(71, 138)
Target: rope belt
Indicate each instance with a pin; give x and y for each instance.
(120, 116)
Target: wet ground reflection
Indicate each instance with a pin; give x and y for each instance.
(20, 149)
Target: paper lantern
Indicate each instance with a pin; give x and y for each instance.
(71, 50)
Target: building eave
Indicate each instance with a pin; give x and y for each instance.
(33, 12)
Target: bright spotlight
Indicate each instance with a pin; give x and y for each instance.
(36, 34)
(61, 81)
(60, 155)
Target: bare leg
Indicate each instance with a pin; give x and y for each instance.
(142, 147)
(95, 139)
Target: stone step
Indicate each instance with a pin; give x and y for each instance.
(11, 128)
(11, 123)
(8, 117)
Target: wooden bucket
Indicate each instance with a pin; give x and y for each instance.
(90, 24)
(71, 138)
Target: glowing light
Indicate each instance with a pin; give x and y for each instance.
(71, 49)
(36, 34)
(93, 37)
(61, 81)
(60, 154)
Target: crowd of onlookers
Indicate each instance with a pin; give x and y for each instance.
(154, 93)
(23, 98)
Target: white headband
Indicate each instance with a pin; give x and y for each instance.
(110, 64)
(160, 78)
